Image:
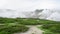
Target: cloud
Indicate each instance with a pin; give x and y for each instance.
(28, 4)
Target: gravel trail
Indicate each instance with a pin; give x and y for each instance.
(32, 30)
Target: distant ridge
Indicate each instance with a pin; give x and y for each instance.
(41, 14)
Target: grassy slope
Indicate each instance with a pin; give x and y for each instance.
(28, 21)
(48, 25)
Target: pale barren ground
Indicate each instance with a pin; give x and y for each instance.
(32, 30)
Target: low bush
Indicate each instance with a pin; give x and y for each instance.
(54, 28)
(12, 28)
(50, 33)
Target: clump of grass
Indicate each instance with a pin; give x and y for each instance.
(14, 28)
(51, 28)
(33, 33)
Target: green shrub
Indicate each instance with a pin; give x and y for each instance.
(54, 28)
(3, 32)
(13, 28)
(50, 33)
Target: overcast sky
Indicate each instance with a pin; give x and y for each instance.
(29, 5)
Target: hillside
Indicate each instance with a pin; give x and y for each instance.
(23, 25)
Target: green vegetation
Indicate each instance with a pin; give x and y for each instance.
(51, 28)
(27, 21)
(7, 20)
(14, 25)
(12, 28)
(50, 33)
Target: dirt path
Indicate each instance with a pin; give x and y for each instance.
(32, 30)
